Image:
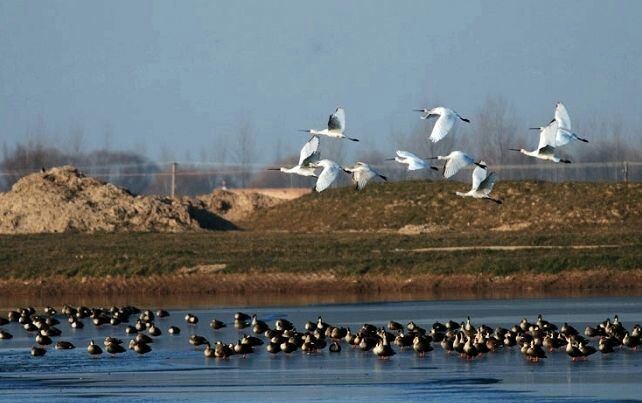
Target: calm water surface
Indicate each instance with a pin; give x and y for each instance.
(174, 370)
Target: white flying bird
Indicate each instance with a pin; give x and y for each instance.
(309, 154)
(544, 153)
(361, 174)
(336, 126)
(546, 148)
(562, 127)
(564, 133)
(414, 163)
(482, 185)
(445, 121)
(455, 161)
(330, 171)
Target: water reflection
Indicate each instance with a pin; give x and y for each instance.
(296, 299)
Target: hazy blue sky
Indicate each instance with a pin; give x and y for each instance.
(176, 73)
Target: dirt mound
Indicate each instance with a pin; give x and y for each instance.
(234, 205)
(421, 207)
(63, 199)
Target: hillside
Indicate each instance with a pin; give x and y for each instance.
(427, 207)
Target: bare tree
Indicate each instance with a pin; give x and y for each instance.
(218, 156)
(495, 128)
(220, 149)
(165, 154)
(76, 139)
(245, 151)
(107, 136)
(278, 149)
(127, 169)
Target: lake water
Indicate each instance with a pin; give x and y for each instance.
(174, 370)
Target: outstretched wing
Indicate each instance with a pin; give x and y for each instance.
(442, 126)
(563, 137)
(328, 175)
(406, 154)
(361, 177)
(479, 175)
(337, 121)
(486, 186)
(547, 150)
(414, 162)
(308, 151)
(457, 162)
(562, 117)
(547, 135)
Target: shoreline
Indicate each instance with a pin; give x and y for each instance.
(301, 284)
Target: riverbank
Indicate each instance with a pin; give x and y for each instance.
(272, 286)
(281, 262)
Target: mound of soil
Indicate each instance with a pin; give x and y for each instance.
(234, 205)
(422, 207)
(63, 199)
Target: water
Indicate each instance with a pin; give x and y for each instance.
(175, 370)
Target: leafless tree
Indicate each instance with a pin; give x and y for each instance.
(76, 139)
(245, 152)
(495, 129)
(107, 136)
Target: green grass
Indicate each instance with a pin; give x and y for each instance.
(343, 253)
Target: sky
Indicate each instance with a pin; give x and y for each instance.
(174, 75)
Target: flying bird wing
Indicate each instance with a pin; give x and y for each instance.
(309, 151)
(442, 126)
(562, 117)
(479, 175)
(486, 186)
(547, 150)
(361, 177)
(547, 135)
(406, 154)
(337, 121)
(563, 137)
(414, 162)
(457, 162)
(327, 176)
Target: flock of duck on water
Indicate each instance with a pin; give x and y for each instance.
(469, 341)
(556, 134)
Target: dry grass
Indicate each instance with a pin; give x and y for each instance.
(528, 206)
(318, 283)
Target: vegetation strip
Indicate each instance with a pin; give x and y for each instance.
(319, 284)
(507, 248)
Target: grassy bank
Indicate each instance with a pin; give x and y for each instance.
(338, 253)
(534, 207)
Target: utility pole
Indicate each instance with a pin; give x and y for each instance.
(173, 183)
(626, 171)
